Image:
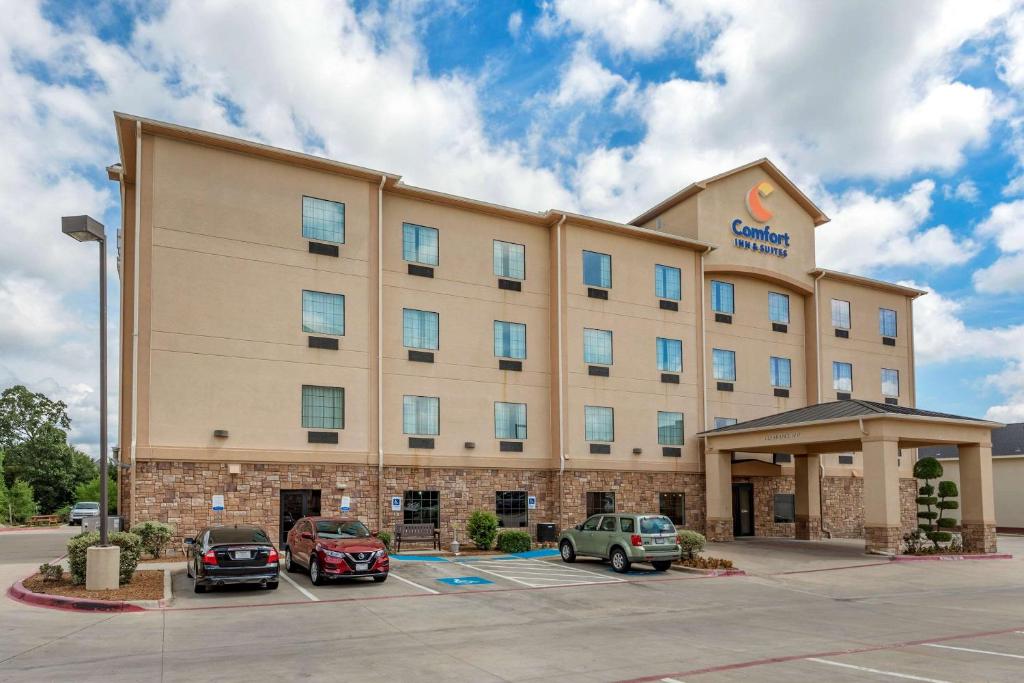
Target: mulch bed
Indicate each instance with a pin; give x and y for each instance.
(706, 563)
(146, 584)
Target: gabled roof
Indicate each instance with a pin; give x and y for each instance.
(1008, 440)
(868, 282)
(853, 408)
(771, 169)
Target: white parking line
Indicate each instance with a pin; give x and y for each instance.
(893, 674)
(538, 573)
(670, 680)
(980, 652)
(299, 588)
(413, 583)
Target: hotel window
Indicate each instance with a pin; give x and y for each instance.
(887, 322)
(841, 314)
(419, 244)
(597, 269)
(509, 260)
(785, 508)
(599, 502)
(670, 355)
(597, 347)
(780, 368)
(672, 505)
(510, 421)
(724, 422)
(599, 423)
(323, 313)
(509, 339)
(323, 220)
(419, 329)
(323, 407)
(721, 297)
(778, 308)
(667, 283)
(670, 429)
(421, 415)
(422, 507)
(512, 509)
(842, 376)
(890, 382)
(723, 364)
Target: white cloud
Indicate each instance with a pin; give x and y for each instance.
(586, 80)
(966, 191)
(1005, 227)
(515, 23)
(1011, 61)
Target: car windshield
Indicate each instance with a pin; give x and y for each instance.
(656, 525)
(238, 535)
(336, 529)
(87, 506)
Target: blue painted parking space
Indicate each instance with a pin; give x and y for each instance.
(464, 581)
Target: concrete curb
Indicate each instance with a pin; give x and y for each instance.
(948, 558)
(708, 572)
(18, 592)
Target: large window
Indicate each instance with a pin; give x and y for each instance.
(841, 314)
(781, 376)
(323, 220)
(673, 506)
(723, 365)
(599, 502)
(511, 509)
(890, 382)
(323, 407)
(510, 421)
(599, 423)
(597, 269)
(597, 347)
(778, 308)
(419, 244)
(670, 355)
(670, 429)
(509, 260)
(887, 322)
(722, 297)
(422, 507)
(509, 339)
(667, 282)
(421, 415)
(419, 329)
(785, 508)
(323, 313)
(842, 376)
(724, 422)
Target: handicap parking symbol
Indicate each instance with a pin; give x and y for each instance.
(465, 581)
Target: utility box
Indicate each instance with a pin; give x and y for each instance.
(90, 524)
(547, 533)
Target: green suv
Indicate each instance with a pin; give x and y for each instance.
(623, 539)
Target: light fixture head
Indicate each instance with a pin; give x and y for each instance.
(82, 228)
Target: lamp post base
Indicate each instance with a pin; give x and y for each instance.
(102, 568)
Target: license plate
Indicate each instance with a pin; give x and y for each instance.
(243, 554)
(661, 541)
(362, 566)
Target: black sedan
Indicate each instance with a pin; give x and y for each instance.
(220, 555)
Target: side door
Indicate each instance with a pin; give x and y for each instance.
(303, 545)
(586, 537)
(606, 534)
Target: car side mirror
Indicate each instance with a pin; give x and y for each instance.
(190, 541)
(307, 536)
(579, 527)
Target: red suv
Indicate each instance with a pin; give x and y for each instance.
(335, 548)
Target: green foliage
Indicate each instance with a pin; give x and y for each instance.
(948, 505)
(385, 538)
(927, 500)
(63, 512)
(947, 523)
(691, 543)
(927, 490)
(938, 537)
(934, 523)
(24, 416)
(927, 514)
(927, 468)
(90, 491)
(17, 503)
(482, 528)
(131, 548)
(513, 541)
(155, 536)
(947, 489)
(51, 572)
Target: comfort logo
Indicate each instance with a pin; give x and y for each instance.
(755, 207)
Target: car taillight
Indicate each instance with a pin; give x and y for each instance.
(272, 556)
(210, 558)
(636, 540)
(679, 539)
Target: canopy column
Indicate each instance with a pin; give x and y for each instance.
(718, 494)
(808, 497)
(882, 530)
(978, 517)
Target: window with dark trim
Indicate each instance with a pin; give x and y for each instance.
(422, 507)
(785, 508)
(673, 506)
(600, 502)
(511, 509)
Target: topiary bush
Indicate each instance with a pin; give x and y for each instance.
(155, 536)
(51, 572)
(691, 543)
(514, 541)
(482, 528)
(385, 538)
(129, 543)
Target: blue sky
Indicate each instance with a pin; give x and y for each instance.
(901, 120)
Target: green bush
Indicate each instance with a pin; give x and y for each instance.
(63, 512)
(129, 543)
(691, 543)
(513, 541)
(482, 528)
(155, 536)
(17, 503)
(51, 572)
(927, 468)
(385, 538)
(90, 492)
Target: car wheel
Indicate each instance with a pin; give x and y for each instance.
(272, 586)
(566, 551)
(188, 569)
(315, 576)
(620, 562)
(380, 579)
(661, 565)
(198, 587)
(289, 563)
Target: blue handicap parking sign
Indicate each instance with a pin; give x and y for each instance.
(465, 581)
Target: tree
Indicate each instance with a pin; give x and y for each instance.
(24, 416)
(934, 523)
(17, 503)
(90, 491)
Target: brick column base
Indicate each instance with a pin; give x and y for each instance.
(978, 537)
(808, 528)
(718, 529)
(883, 539)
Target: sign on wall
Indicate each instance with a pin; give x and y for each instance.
(346, 504)
(396, 503)
(531, 502)
(217, 502)
(763, 239)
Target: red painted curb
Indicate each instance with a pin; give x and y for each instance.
(14, 529)
(18, 592)
(949, 558)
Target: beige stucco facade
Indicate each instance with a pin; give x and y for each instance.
(213, 264)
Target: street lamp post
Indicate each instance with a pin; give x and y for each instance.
(87, 229)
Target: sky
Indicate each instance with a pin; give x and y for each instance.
(903, 121)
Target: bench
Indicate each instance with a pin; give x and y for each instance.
(44, 520)
(413, 533)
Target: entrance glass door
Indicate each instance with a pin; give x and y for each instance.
(742, 509)
(296, 504)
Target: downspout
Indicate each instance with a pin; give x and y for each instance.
(135, 315)
(561, 388)
(703, 349)
(817, 367)
(380, 352)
